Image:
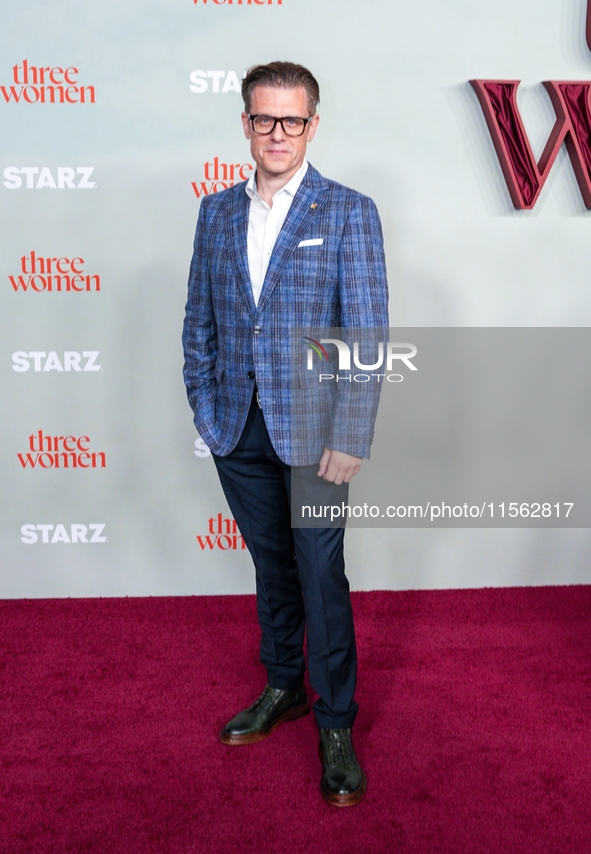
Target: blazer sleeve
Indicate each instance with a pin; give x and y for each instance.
(200, 333)
(363, 294)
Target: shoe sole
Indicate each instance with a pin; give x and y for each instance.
(251, 738)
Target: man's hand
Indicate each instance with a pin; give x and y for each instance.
(337, 467)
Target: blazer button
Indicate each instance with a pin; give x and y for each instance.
(257, 330)
(250, 375)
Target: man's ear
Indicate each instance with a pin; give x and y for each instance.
(312, 127)
(245, 125)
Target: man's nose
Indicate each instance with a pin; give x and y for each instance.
(278, 134)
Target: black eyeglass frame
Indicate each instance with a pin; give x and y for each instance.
(280, 121)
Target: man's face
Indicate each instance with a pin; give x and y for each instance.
(277, 155)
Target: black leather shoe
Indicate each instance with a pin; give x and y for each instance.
(343, 783)
(272, 708)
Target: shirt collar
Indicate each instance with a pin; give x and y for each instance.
(290, 188)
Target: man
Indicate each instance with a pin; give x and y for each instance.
(289, 249)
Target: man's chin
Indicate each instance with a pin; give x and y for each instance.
(277, 165)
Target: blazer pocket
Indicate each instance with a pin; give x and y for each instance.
(311, 379)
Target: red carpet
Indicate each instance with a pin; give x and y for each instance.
(474, 729)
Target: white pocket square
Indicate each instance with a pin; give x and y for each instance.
(313, 241)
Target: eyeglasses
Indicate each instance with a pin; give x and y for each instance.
(291, 125)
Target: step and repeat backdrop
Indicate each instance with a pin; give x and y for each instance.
(468, 123)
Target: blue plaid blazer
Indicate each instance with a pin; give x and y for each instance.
(229, 343)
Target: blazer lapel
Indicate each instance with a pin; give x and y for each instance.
(236, 225)
(306, 203)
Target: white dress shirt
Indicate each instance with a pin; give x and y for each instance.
(264, 225)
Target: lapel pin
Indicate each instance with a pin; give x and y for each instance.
(313, 207)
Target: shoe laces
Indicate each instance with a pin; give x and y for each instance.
(265, 701)
(338, 747)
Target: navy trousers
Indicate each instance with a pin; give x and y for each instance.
(300, 578)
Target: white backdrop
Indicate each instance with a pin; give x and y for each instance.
(399, 122)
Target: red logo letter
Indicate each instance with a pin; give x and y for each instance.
(525, 178)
